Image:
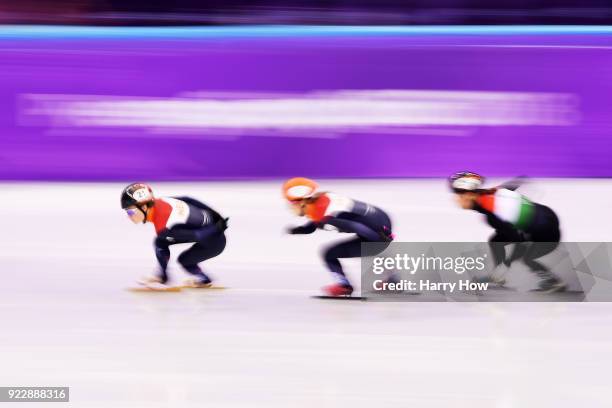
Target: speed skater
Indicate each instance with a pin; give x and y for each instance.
(533, 227)
(328, 210)
(177, 220)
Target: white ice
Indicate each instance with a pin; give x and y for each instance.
(67, 253)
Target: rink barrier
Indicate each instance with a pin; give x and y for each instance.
(224, 103)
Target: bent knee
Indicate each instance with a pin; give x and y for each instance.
(184, 260)
(161, 242)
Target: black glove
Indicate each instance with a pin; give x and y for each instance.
(303, 229)
(222, 224)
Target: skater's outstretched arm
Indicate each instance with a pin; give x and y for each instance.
(307, 228)
(163, 256)
(162, 253)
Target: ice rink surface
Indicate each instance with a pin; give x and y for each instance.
(68, 253)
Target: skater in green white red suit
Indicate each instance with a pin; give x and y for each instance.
(533, 227)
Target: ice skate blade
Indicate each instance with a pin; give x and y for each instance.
(150, 290)
(553, 290)
(212, 287)
(363, 298)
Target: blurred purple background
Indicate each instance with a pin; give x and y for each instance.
(144, 103)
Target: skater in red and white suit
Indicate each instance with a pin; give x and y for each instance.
(326, 209)
(177, 220)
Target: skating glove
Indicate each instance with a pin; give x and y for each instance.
(222, 224)
(303, 229)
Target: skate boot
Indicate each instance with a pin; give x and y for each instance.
(338, 289)
(153, 284)
(550, 285)
(149, 280)
(159, 286)
(197, 282)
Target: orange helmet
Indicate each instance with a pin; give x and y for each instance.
(298, 188)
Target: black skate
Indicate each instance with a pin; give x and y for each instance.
(551, 285)
(198, 282)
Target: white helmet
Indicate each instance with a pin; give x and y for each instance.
(465, 181)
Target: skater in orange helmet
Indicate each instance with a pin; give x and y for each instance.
(326, 209)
